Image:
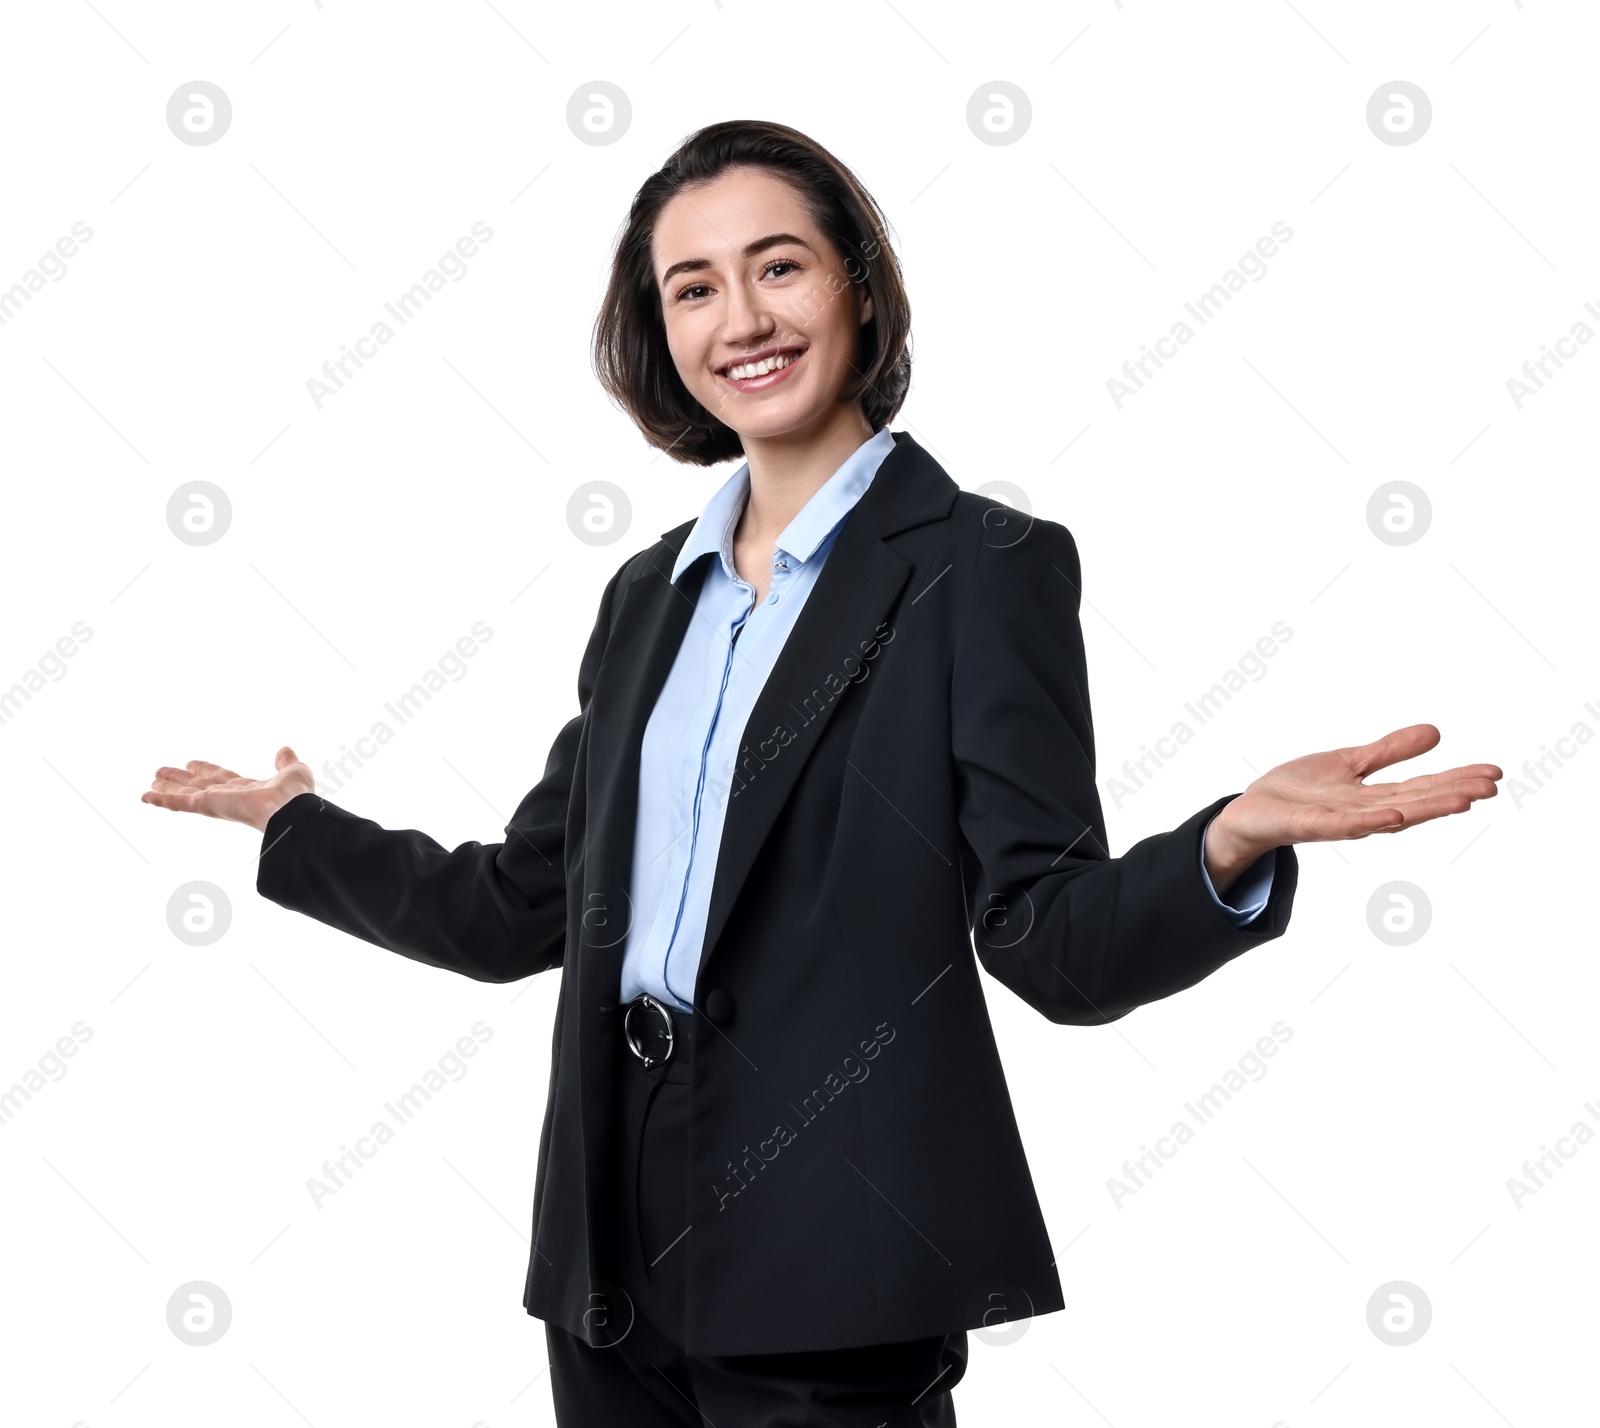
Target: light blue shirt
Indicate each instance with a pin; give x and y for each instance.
(691, 742)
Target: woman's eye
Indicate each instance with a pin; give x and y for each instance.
(780, 263)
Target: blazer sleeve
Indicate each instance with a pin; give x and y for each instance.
(494, 912)
(1077, 934)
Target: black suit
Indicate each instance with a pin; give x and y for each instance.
(920, 776)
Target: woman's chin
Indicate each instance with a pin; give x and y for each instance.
(775, 421)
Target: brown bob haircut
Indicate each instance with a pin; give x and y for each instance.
(631, 357)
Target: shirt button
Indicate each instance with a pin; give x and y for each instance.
(772, 599)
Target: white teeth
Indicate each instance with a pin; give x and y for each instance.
(759, 369)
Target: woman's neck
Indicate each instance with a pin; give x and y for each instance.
(787, 471)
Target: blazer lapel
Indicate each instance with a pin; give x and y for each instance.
(812, 676)
(859, 584)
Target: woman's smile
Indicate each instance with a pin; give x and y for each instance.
(761, 371)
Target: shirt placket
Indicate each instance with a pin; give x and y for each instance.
(737, 620)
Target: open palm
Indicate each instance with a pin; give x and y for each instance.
(1323, 797)
(217, 792)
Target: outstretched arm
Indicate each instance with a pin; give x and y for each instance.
(1081, 936)
(495, 912)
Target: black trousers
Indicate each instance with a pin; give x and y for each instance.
(642, 1378)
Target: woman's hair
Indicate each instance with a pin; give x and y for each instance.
(631, 357)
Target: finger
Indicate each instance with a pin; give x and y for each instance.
(172, 775)
(1372, 820)
(204, 770)
(1386, 813)
(286, 756)
(1421, 810)
(1469, 789)
(176, 796)
(1472, 772)
(1393, 748)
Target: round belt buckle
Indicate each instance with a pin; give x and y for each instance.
(627, 1030)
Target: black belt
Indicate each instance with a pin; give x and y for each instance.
(656, 1033)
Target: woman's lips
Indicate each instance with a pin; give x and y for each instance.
(771, 379)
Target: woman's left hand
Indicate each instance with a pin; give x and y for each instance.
(1321, 798)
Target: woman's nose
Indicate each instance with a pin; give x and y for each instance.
(745, 317)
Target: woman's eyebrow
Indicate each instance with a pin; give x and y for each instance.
(760, 245)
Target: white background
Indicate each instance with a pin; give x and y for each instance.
(369, 535)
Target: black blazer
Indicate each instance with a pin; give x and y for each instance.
(918, 784)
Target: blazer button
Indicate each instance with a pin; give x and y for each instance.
(719, 1006)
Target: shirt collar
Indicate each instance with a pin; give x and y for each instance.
(816, 520)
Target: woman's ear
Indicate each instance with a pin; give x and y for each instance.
(866, 309)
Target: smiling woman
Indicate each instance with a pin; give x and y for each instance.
(906, 832)
(727, 261)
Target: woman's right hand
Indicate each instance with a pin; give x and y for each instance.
(205, 788)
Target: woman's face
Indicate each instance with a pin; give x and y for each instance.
(761, 317)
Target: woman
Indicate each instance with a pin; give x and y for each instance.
(832, 734)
